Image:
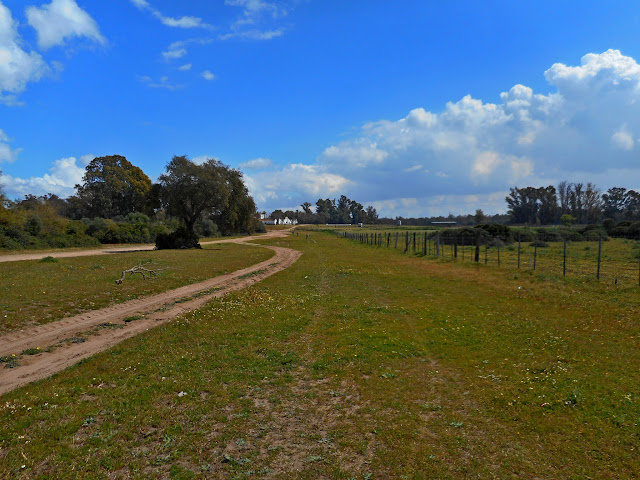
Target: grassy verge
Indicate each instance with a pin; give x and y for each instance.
(354, 363)
(33, 292)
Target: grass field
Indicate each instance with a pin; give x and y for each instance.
(355, 363)
(36, 292)
(619, 258)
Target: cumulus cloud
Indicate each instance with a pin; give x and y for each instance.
(256, 164)
(63, 175)
(622, 139)
(472, 147)
(60, 20)
(294, 184)
(7, 154)
(17, 66)
(207, 75)
(186, 67)
(181, 22)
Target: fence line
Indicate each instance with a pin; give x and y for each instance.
(617, 261)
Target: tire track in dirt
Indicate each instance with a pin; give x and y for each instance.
(36, 367)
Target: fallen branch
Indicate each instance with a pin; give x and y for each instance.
(145, 272)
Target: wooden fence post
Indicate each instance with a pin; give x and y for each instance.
(519, 250)
(535, 252)
(498, 251)
(599, 256)
(437, 244)
(477, 255)
(397, 235)
(564, 258)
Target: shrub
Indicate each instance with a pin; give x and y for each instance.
(181, 238)
(539, 244)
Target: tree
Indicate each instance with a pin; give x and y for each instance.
(188, 190)
(112, 186)
(615, 202)
(2, 197)
(240, 212)
(479, 217)
(306, 206)
(372, 214)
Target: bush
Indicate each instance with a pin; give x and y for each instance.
(181, 238)
(539, 244)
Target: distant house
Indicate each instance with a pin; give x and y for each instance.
(444, 224)
(277, 221)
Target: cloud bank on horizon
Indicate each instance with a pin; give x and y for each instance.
(469, 154)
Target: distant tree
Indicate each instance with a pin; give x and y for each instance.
(306, 207)
(112, 186)
(239, 215)
(479, 217)
(371, 214)
(358, 214)
(189, 191)
(3, 199)
(615, 202)
(564, 192)
(277, 215)
(325, 210)
(592, 204)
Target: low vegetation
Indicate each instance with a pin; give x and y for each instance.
(355, 363)
(42, 291)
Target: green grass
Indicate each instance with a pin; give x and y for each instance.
(33, 292)
(354, 363)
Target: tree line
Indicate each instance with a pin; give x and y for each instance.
(118, 203)
(571, 203)
(340, 211)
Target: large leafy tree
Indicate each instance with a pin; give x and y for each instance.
(239, 214)
(191, 191)
(111, 186)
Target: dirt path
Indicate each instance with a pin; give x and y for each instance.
(96, 333)
(18, 257)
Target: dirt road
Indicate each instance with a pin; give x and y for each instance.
(92, 330)
(19, 257)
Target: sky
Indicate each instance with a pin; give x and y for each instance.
(418, 108)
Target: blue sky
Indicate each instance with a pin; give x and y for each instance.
(416, 107)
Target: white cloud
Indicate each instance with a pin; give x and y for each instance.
(622, 139)
(254, 34)
(256, 163)
(63, 175)
(60, 20)
(476, 148)
(185, 68)
(7, 154)
(181, 22)
(162, 83)
(250, 24)
(175, 53)
(294, 184)
(485, 163)
(207, 75)
(17, 66)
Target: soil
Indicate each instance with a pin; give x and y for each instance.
(101, 329)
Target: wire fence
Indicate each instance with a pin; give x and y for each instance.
(614, 260)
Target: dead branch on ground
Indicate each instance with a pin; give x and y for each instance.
(140, 269)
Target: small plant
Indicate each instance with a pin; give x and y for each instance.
(31, 351)
(49, 259)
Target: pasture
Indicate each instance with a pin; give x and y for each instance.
(355, 363)
(37, 292)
